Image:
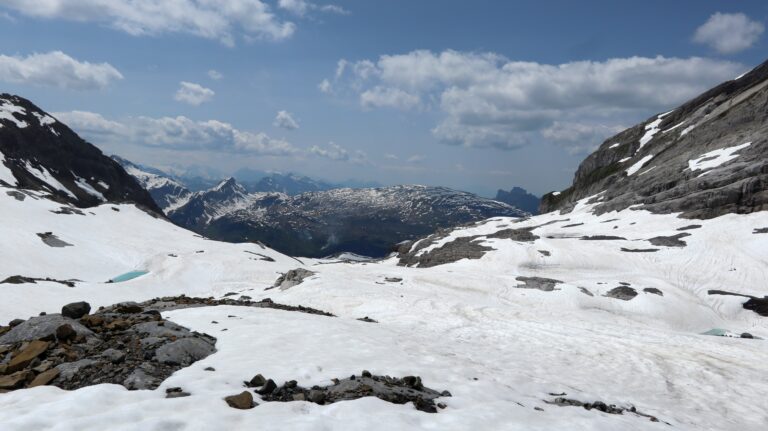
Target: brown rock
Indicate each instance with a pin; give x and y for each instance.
(242, 401)
(118, 325)
(92, 321)
(14, 380)
(65, 332)
(3, 368)
(43, 367)
(44, 378)
(25, 357)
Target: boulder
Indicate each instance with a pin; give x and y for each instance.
(242, 401)
(23, 358)
(184, 351)
(14, 380)
(42, 327)
(44, 378)
(76, 310)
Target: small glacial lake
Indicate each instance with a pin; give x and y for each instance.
(128, 276)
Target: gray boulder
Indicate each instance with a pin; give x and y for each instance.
(42, 327)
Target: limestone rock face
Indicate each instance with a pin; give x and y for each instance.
(706, 158)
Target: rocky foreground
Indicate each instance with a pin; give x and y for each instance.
(132, 345)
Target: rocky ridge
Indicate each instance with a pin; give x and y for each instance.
(703, 159)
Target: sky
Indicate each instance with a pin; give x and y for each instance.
(477, 95)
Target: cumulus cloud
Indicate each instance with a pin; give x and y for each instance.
(56, 69)
(179, 133)
(285, 120)
(728, 33)
(193, 94)
(221, 20)
(325, 86)
(487, 100)
(302, 7)
(215, 75)
(378, 97)
(336, 152)
(580, 138)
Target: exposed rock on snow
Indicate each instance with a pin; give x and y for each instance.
(653, 290)
(600, 406)
(602, 238)
(391, 389)
(625, 293)
(20, 279)
(292, 278)
(639, 250)
(460, 248)
(52, 240)
(241, 401)
(111, 346)
(540, 283)
(670, 241)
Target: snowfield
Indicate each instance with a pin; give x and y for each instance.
(467, 327)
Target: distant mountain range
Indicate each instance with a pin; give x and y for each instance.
(301, 216)
(519, 198)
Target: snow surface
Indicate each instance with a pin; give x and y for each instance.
(639, 165)
(650, 131)
(5, 172)
(715, 158)
(42, 174)
(614, 145)
(7, 110)
(89, 188)
(465, 327)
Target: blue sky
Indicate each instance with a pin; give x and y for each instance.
(474, 95)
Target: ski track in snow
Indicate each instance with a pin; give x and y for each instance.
(449, 324)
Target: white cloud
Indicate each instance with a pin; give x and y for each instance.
(285, 120)
(302, 7)
(215, 75)
(325, 86)
(180, 133)
(193, 94)
(728, 33)
(416, 158)
(338, 153)
(221, 20)
(487, 100)
(579, 138)
(378, 97)
(56, 69)
(390, 156)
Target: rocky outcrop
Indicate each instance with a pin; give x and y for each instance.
(404, 390)
(292, 278)
(703, 159)
(125, 344)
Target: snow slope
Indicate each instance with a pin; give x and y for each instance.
(465, 326)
